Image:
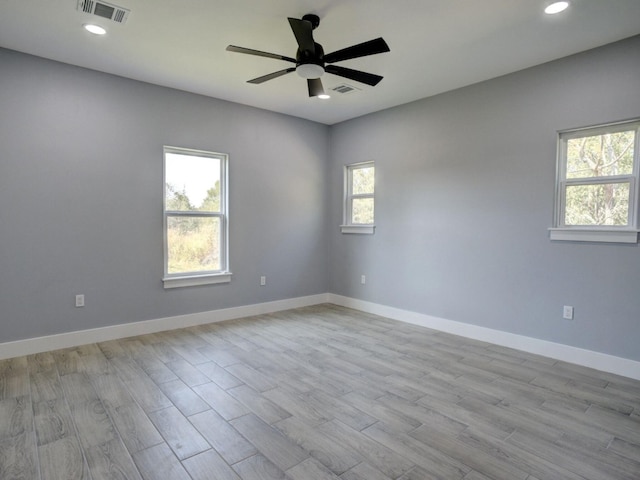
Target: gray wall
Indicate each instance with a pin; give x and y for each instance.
(81, 198)
(464, 197)
(465, 185)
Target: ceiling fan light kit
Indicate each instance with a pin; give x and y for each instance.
(311, 62)
(310, 70)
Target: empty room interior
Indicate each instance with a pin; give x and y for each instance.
(320, 240)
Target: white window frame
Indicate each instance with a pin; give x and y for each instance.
(347, 225)
(596, 233)
(189, 279)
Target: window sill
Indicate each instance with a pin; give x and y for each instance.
(195, 280)
(593, 235)
(358, 229)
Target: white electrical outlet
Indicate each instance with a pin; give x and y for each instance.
(79, 300)
(363, 279)
(567, 312)
(263, 280)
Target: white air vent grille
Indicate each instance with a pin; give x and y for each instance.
(344, 88)
(104, 10)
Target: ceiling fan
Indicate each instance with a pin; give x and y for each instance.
(311, 62)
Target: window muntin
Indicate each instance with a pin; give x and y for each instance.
(360, 190)
(598, 177)
(195, 214)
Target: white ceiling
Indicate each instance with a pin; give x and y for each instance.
(436, 45)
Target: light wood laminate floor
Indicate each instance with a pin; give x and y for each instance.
(315, 393)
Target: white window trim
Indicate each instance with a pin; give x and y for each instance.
(596, 233)
(348, 227)
(195, 280)
(187, 279)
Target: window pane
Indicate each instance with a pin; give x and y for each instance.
(600, 155)
(600, 204)
(363, 180)
(193, 244)
(362, 211)
(192, 183)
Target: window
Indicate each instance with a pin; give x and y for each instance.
(195, 218)
(597, 186)
(359, 189)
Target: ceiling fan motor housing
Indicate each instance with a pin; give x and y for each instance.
(310, 64)
(313, 19)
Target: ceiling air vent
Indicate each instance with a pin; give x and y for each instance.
(104, 10)
(344, 88)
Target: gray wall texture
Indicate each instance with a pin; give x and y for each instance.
(81, 198)
(464, 197)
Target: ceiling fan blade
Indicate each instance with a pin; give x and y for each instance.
(303, 31)
(249, 51)
(315, 87)
(361, 50)
(271, 76)
(357, 75)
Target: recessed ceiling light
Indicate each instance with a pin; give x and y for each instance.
(556, 7)
(95, 29)
(324, 96)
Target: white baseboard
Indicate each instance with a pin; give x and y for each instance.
(82, 337)
(587, 358)
(579, 356)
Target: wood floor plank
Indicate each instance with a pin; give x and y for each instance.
(251, 377)
(364, 471)
(186, 372)
(135, 428)
(310, 469)
(185, 399)
(339, 409)
(67, 361)
(231, 446)
(111, 461)
(145, 357)
(45, 386)
(575, 462)
(40, 362)
(16, 417)
(63, 460)
(219, 375)
(14, 376)
(479, 460)
(111, 389)
(419, 453)
(378, 455)
(516, 456)
(209, 465)
(323, 448)
(261, 406)
(52, 421)
(292, 402)
(223, 403)
(140, 386)
(92, 423)
(258, 467)
(270, 442)
(316, 392)
(626, 449)
(159, 463)
(18, 457)
(182, 437)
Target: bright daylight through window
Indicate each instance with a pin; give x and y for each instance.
(359, 198)
(195, 218)
(597, 186)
